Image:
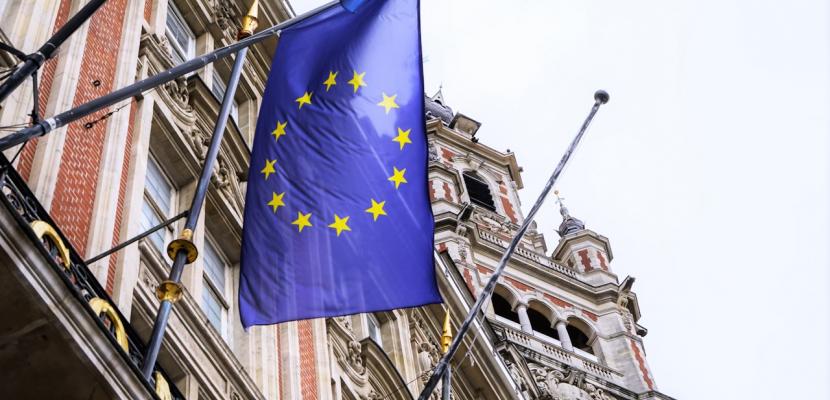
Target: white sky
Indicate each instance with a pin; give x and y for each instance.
(708, 169)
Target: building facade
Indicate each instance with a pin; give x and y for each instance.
(561, 324)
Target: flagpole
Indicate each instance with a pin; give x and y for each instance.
(182, 250)
(43, 127)
(33, 61)
(600, 98)
(446, 338)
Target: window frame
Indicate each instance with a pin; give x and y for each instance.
(372, 320)
(479, 180)
(220, 294)
(173, 14)
(219, 85)
(155, 207)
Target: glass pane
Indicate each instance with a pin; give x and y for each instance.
(374, 329)
(214, 266)
(212, 307)
(177, 29)
(159, 188)
(149, 219)
(218, 86)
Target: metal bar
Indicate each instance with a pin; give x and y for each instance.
(49, 124)
(136, 238)
(45, 52)
(446, 383)
(600, 97)
(195, 208)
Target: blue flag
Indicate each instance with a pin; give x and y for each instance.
(337, 213)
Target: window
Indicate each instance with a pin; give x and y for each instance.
(214, 290)
(503, 309)
(218, 89)
(179, 35)
(158, 203)
(373, 326)
(479, 191)
(579, 339)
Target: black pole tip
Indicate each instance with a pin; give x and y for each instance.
(601, 96)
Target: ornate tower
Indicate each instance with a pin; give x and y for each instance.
(565, 325)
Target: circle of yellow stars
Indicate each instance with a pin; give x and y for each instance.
(340, 224)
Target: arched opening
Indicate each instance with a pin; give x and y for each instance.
(503, 309)
(581, 336)
(479, 191)
(540, 323)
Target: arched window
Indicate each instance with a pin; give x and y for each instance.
(540, 323)
(503, 309)
(479, 191)
(579, 339)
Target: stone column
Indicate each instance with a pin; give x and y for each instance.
(524, 320)
(564, 338)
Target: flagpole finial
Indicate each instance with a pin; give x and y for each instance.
(601, 96)
(249, 21)
(446, 336)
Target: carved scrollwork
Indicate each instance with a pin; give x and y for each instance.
(224, 14)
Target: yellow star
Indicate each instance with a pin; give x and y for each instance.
(339, 224)
(388, 102)
(302, 220)
(357, 80)
(403, 137)
(397, 177)
(279, 130)
(331, 80)
(276, 200)
(269, 168)
(376, 209)
(304, 99)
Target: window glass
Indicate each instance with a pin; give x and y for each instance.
(212, 307)
(218, 89)
(158, 187)
(214, 266)
(149, 219)
(181, 38)
(374, 329)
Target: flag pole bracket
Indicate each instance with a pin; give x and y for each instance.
(169, 290)
(183, 243)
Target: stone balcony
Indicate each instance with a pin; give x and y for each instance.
(61, 334)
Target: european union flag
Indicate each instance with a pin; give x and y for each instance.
(337, 214)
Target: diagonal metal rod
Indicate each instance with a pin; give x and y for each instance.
(600, 98)
(136, 238)
(195, 209)
(49, 124)
(45, 52)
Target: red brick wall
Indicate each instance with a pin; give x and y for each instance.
(122, 192)
(308, 367)
(45, 85)
(642, 364)
(80, 163)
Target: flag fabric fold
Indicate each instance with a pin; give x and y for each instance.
(337, 212)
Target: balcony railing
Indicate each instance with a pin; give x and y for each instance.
(546, 346)
(66, 262)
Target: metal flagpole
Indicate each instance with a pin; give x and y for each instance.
(45, 52)
(600, 98)
(182, 250)
(49, 124)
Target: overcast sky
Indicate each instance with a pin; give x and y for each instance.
(708, 169)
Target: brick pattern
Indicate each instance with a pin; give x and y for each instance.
(447, 155)
(468, 279)
(586, 262)
(590, 315)
(45, 86)
(518, 285)
(642, 364)
(148, 10)
(308, 368)
(483, 269)
(448, 192)
(122, 192)
(505, 202)
(432, 196)
(442, 247)
(80, 163)
(602, 262)
(559, 302)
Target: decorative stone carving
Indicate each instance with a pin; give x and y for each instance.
(177, 89)
(224, 14)
(200, 141)
(492, 222)
(356, 357)
(433, 153)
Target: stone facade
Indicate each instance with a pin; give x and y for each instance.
(568, 331)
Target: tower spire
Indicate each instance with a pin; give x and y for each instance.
(569, 224)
